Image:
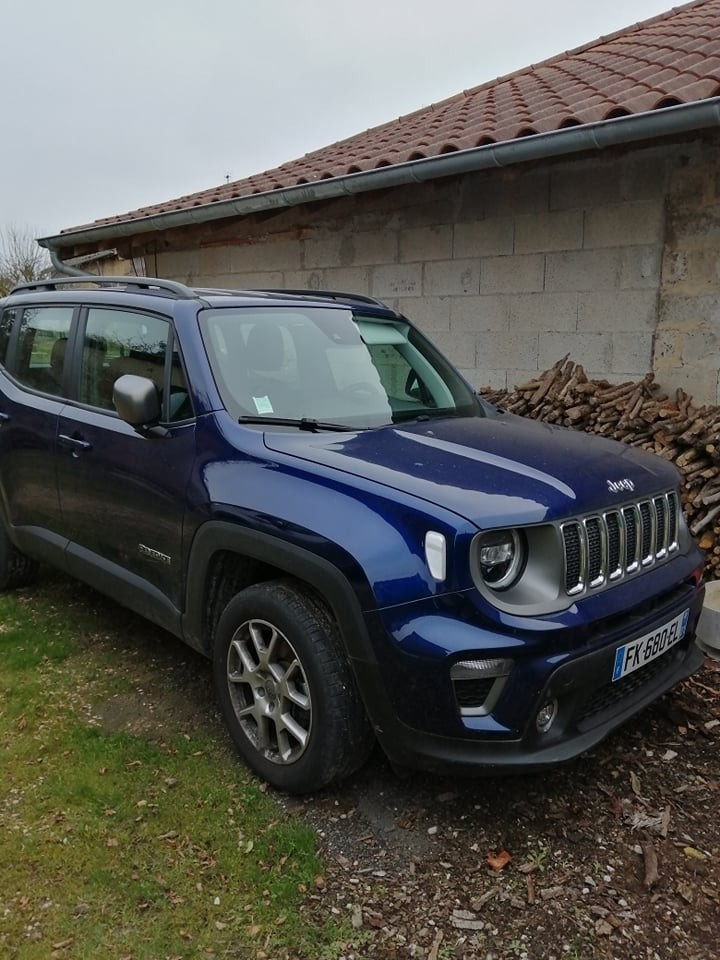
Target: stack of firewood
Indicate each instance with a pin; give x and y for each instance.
(640, 414)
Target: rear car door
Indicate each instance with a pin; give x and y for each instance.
(33, 347)
(122, 491)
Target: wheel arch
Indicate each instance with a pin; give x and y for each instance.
(225, 557)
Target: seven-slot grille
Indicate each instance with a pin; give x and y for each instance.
(606, 547)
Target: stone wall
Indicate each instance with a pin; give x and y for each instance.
(612, 258)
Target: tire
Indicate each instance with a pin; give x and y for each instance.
(286, 690)
(16, 570)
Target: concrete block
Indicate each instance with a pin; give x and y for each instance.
(584, 183)
(459, 348)
(625, 224)
(265, 256)
(674, 267)
(429, 313)
(701, 348)
(214, 261)
(305, 280)
(617, 310)
(515, 191)
(396, 280)
(320, 252)
(484, 238)
(370, 247)
(516, 274)
(508, 350)
(695, 227)
(701, 384)
(543, 312)
(347, 279)
(667, 350)
(645, 172)
(484, 377)
(640, 267)
(179, 264)
(583, 270)
(426, 243)
(430, 211)
(244, 281)
(479, 313)
(684, 313)
(538, 233)
(593, 350)
(451, 278)
(632, 353)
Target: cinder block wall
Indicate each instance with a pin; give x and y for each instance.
(613, 258)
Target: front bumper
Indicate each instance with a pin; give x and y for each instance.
(413, 723)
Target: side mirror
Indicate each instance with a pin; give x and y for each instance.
(136, 400)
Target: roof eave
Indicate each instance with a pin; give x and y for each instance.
(654, 124)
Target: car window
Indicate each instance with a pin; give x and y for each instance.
(117, 342)
(42, 342)
(7, 322)
(328, 364)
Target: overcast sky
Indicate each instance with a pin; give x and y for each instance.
(111, 106)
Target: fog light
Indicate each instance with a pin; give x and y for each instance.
(546, 716)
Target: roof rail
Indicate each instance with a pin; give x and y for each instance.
(330, 295)
(144, 284)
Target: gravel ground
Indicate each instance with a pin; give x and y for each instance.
(615, 855)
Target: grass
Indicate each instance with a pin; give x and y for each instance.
(114, 845)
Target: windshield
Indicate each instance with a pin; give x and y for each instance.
(329, 364)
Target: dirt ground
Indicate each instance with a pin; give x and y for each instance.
(616, 855)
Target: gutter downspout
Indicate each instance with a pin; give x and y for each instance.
(666, 122)
(63, 267)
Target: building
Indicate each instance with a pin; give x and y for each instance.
(573, 206)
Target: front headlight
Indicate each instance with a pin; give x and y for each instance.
(501, 558)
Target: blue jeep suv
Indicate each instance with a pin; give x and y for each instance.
(300, 486)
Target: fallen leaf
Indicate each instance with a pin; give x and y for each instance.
(651, 865)
(498, 861)
(693, 853)
(685, 891)
(635, 783)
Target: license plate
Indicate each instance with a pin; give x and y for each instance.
(632, 656)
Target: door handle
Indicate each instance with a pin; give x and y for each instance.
(75, 444)
(4, 417)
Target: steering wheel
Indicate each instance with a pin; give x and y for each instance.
(415, 388)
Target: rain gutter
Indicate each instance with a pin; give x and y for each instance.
(664, 122)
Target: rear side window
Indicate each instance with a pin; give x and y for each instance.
(42, 342)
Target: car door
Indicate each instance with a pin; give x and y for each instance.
(122, 490)
(33, 346)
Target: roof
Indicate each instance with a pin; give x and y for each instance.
(668, 60)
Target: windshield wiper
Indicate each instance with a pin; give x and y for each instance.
(302, 423)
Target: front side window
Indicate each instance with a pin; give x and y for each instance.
(117, 342)
(331, 365)
(42, 343)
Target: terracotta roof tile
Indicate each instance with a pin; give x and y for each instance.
(672, 58)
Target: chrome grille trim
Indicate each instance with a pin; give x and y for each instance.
(605, 548)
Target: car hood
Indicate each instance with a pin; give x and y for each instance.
(503, 468)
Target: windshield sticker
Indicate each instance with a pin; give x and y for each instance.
(263, 405)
